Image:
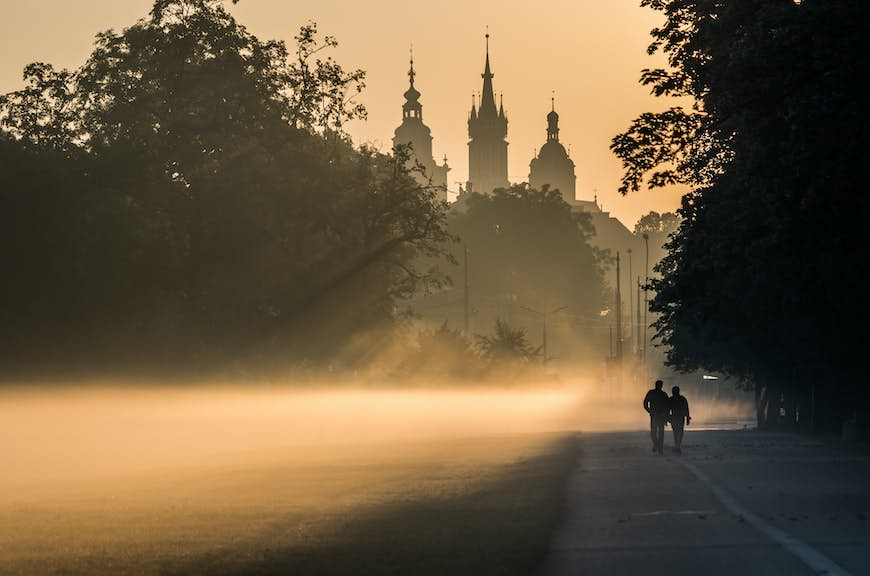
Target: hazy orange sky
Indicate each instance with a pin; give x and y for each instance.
(590, 52)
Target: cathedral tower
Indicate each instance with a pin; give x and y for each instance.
(412, 131)
(552, 165)
(487, 147)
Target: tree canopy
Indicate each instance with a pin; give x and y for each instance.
(528, 250)
(188, 194)
(763, 275)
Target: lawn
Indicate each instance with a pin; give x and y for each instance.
(475, 505)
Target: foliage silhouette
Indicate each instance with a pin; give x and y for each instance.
(188, 199)
(763, 277)
(528, 248)
(506, 343)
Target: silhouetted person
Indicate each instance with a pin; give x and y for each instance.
(679, 416)
(656, 404)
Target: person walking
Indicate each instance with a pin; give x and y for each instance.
(678, 414)
(656, 403)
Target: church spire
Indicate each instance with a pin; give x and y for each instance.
(412, 107)
(413, 133)
(487, 130)
(553, 121)
(411, 72)
(487, 99)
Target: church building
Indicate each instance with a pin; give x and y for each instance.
(487, 147)
(552, 166)
(412, 131)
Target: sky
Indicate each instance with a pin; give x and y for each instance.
(588, 52)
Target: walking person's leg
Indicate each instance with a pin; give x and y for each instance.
(653, 434)
(660, 435)
(678, 435)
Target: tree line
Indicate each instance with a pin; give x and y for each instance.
(188, 196)
(764, 276)
(189, 200)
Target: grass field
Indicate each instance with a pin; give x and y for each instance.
(459, 504)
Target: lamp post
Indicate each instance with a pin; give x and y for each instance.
(466, 311)
(630, 306)
(544, 315)
(645, 302)
(618, 313)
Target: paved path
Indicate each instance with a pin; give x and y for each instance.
(735, 502)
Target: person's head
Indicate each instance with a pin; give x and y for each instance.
(675, 390)
(659, 384)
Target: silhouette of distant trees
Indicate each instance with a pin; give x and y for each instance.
(655, 223)
(506, 343)
(188, 198)
(764, 276)
(658, 229)
(528, 249)
(445, 355)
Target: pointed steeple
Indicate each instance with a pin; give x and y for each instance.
(411, 72)
(414, 133)
(487, 129)
(487, 99)
(412, 107)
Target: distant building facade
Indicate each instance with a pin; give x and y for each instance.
(487, 146)
(552, 166)
(413, 132)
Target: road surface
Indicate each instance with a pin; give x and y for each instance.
(735, 502)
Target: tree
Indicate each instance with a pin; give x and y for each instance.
(763, 274)
(659, 224)
(506, 343)
(44, 112)
(528, 249)
(442, 354)
(657, 228)
(188, 195)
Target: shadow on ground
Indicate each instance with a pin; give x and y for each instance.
(502, 528)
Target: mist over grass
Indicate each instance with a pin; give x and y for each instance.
(231, 477)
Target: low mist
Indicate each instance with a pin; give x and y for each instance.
(57, 436)
(150, 479)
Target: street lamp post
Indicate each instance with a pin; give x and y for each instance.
(466, 311)
(645, 303)
(630, 306)
(618, 313)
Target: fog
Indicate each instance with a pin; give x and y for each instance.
(63, 435)
(132, 479)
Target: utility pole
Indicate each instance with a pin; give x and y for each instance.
(645, 304)
(544, 338)
(618, 314)
(639, 323)
(610, 356)
(466, 292)
(630, 307)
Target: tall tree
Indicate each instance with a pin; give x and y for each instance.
(529, 250)
(763, 275)
(199, 201)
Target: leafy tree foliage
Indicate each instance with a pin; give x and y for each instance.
(529, 249)
(655, 223)
(657, 229)
(506, 343)
(764, 274)
(188, 197)
(442, 354)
